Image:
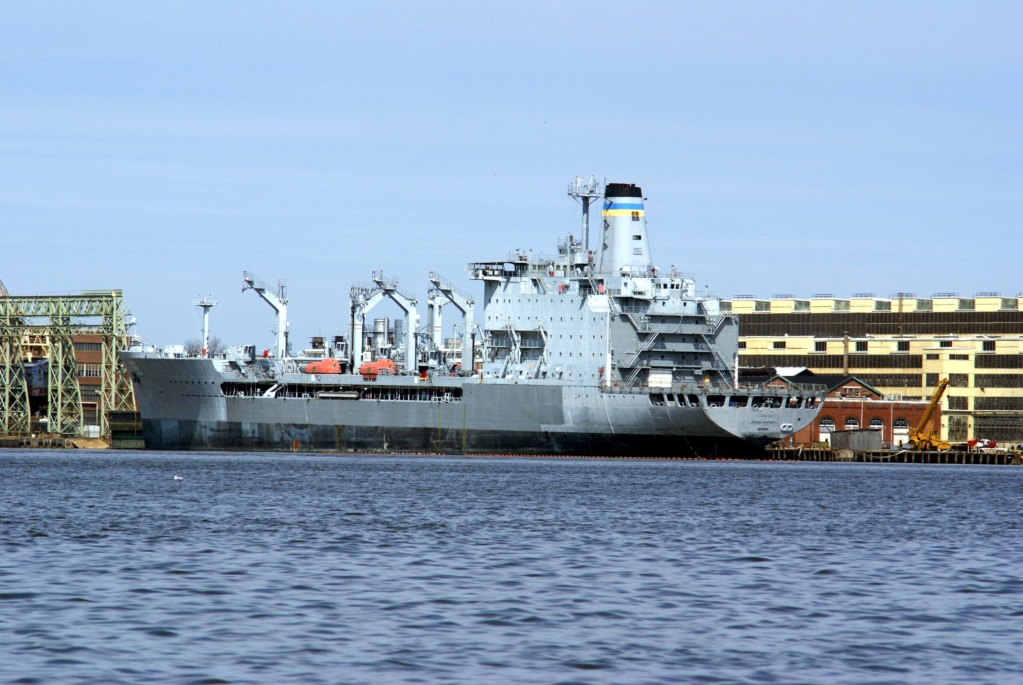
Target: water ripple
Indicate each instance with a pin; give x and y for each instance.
(297, 569)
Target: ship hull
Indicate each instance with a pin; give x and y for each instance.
(184, 407)
(171, 434)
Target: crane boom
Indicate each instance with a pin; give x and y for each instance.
(463, 303)
(923, 437)
(277, 301)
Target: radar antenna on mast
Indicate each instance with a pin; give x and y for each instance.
(584, 191)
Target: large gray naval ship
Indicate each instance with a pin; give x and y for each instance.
(580, 353)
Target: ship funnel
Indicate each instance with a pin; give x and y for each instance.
(625, 246)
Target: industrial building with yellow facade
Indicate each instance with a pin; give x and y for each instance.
(902, 346)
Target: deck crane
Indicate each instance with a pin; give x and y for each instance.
(278, 301)
(923, 437)
(463, 303)
(364, 297)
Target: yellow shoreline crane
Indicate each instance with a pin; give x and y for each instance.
(923, 436)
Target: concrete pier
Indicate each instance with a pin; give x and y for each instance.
(46, 441)
(992, 457)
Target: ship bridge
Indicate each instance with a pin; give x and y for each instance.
(572, 261)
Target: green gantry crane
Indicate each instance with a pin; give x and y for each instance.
(50, 323)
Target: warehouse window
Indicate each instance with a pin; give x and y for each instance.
(89, 370)
(958, 403)
(957, 427)
(959, 380)
(90, 393)
(903, 346)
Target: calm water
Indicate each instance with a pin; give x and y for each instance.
(280, 569)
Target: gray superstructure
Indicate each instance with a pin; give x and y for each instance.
(577, 353)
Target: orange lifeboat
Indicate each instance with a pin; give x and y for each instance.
(378, 367)
(329, 365)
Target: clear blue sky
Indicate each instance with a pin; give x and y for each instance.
(785, 147)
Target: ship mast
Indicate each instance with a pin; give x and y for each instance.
(206, 303)
(584, 192)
